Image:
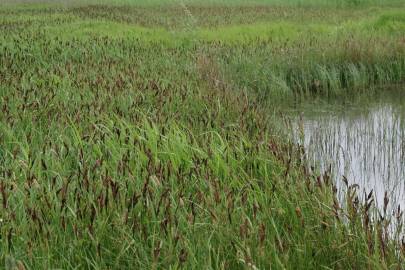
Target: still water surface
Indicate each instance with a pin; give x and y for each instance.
(363, 141)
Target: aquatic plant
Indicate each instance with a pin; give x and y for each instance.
(137, 142)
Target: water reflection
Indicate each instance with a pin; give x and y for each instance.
(364, 141)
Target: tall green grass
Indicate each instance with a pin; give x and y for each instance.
(127, 145)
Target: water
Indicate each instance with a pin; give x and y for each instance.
(363, 141)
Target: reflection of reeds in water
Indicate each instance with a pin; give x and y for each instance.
(367, 147)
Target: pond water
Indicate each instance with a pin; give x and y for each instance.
(363, 140)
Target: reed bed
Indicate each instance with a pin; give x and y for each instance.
(146, 146)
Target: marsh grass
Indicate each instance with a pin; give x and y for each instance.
(123, 146)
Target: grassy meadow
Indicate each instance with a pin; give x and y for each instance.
(146, 134)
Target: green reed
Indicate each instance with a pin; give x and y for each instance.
(137, 142)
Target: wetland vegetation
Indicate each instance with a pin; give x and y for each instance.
(160, 134)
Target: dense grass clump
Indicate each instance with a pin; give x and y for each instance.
(147, 142)
(342, 68)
